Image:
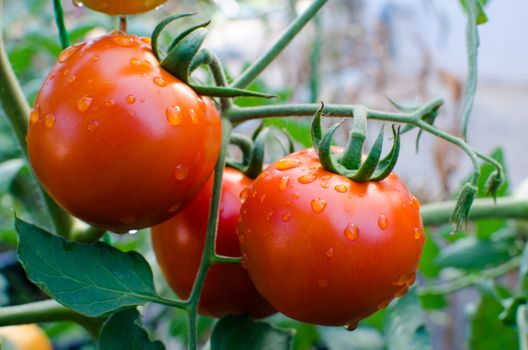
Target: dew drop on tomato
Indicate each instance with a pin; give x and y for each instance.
(69, 52)
(94, 58)
(351, 232)
(131, 99)
(307, 178)
(417, 233)
(318, 205)
(49, 120)
(181, 172)
(415, 203)
(34, 116)
(268, 217)
(286, 217)
(173, 114)
(296, 195)
(284, 183)
(94, 125)
(341, 188)
(244, 195)
(330, 252)
(110, 102)
(160, 81)
(351, 326)
(287, 163)
(122, 40)
(135, 61)
(383, 222)
(84, 103)
(194, 117)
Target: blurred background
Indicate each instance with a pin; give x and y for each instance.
(356, 52)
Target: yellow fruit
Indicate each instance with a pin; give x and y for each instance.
(26, 337)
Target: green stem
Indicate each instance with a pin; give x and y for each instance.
(482, 208)
(59, 19)
(47, 311)
(17, 110)
(315, 58)
(522, 326)
(219, 76)
(469, 280)
(220, 259)
(472, 38)
(263, 62)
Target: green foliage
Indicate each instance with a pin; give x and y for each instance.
(427, 267)
(240, 332)
(123, 329)
(362, 338)
(91, 279)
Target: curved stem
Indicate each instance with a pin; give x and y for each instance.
(219, 76)
(482, 208)
(291, 32)
(472, 43)
(220, 259)
(47, 311)
(59, 19)
(17, 110)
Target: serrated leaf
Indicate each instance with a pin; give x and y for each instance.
(405, 327)
(124, 330)
(487, 331)
(471, 253)
(240, 332)
(93, 280)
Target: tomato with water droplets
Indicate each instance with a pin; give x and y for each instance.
(120, 7)
(179, 242)
(112, 146)
(332, 254)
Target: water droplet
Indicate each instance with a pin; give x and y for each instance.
(94, 125)
(146, 40)
(160, 81)
(401, 292)
(351, 326)
(245, 261)
(135, 61)
(400, 281)
(330, 252)
(286, 217)
(383, 222)
(110, 102)
(34, 116)
(283, 183)
(307, 178)
(417, 233)
(49, 120)
(94, 58)
(262, 198)
(322, 283)
(71, 78)
(133, 232)
(69, 52)
(52, 76)
(268, 217)
(131, 99)
(201, 103)
(173, 114)
(287, 163)
(384, 303)
(66, 72)
(318, 205)
(181, 172)
(415, 203)
(194, 117)
(296, 195)
(325, 177)
(411, 279)
(244, 194)
(325, 185)
(84, 103)
(351, 232)
(122, 40)
(342, 188)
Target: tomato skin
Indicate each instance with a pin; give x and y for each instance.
(26, 337)
(101, 143)
(322, 255)
(179, 242)
(122, 7)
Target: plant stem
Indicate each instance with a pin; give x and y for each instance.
(218, 74)
(522, 327)
(482, 208)
(59, 19)
(472, 44)
(46, 311)
(291, 32)
(469, 280)
(17, 109)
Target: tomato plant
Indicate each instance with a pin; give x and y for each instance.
(120, 7)
(25, 337)
(105, 113)
(179, 242)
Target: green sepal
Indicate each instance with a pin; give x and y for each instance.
(388, 163)
(369, 166)
(351, 157)
(159, 28)
(186, 32)
(463, 205)
(316, 129)
(324, 150)
(493, 184)
(220, 91)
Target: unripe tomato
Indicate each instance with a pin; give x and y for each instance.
(120, 7)
(26, 337)
(179, 242)
(326, 250)
(116, 140)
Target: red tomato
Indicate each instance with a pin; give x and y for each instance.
(116, 140)
(121, 7)
(179, 242)
(326, 250)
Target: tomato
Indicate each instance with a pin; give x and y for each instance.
(121, 7)
(25, 337)
(323, 249)
(116, 140)
(179, 242)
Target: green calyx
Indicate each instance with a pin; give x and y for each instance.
(350, 163)
(185, 54)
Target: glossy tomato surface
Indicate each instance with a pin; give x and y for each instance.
(26, 337)
(116, 140)
(326, 250)
(121, 7)
(178, 244)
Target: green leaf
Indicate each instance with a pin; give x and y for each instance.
(471, 253)
(376, 320)
(240, 332)
(487, 331)
(433, 302)
(405, 326)
(430, 252)
(298, 129)
(124, 329)
(363, 338)
(93, 280)
(306, 335)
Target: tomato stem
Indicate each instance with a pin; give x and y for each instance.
(59, 19)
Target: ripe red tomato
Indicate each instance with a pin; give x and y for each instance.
(121, 7)
(179, 242)
(326, 250)
(116, 140)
